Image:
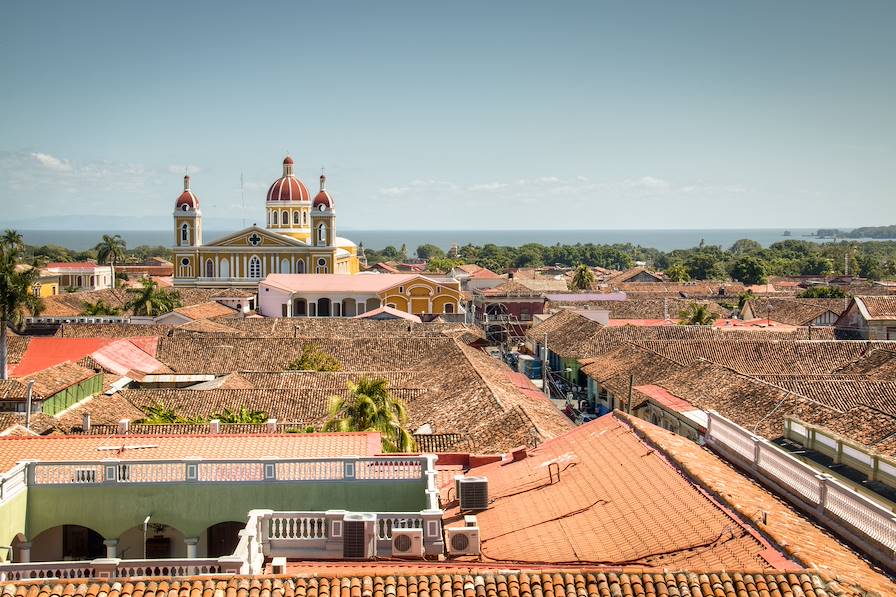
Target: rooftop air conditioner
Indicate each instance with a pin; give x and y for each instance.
(407, 543)
(462, 541)
(472, 492)
(359, 536)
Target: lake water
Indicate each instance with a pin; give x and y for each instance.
(665, 240)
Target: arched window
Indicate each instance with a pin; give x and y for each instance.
(274, 218)
(184, 233)
(284, 218)
(300, 266)
(295, 218)
(322, 233)
(284, 266)
(254, 267)
(304, 218)
(209, 268)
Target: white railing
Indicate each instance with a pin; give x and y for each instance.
(113, 568)
(298, 526)
(848, 512)
(13, 482)
(386, 522)
(195, 470)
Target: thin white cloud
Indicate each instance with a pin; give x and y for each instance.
(488, 186)
(181, 168)
(52, 162)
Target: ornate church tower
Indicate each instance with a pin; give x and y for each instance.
(187, 218)
(323, 217)
(288, 204)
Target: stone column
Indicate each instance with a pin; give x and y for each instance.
(191, 547)
(24, 552)
(111, 548)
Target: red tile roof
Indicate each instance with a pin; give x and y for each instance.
(118, 356)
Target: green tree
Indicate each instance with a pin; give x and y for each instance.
(704, 265)
(370, 406)
(100, 307)
(824, 292)
(314, 359)
(870, 267)
(745, 245)
(748, 270)
(696, 314)
(13, 239)
(111, 249)
(678, 273)
(443, 264)
(816, 265)
(582, 278)
(428, 251)
(241, 415)
(403, 252)
(17, 295)
(150, 300)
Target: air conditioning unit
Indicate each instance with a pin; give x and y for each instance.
(472, 492)
(359, 536)
(407, 543)
(462, 541)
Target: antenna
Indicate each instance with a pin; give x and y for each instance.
(243, 198)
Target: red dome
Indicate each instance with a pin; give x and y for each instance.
(288, 188)
(187, 197)
(323, 198)
(288, 160)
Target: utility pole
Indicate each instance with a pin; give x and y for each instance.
(28, 404)
(544, 367)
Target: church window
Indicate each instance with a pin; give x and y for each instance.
(304, 217)
(184, 233)
(300, 266)
(185, 207)
(321, 266)
(322, 233)
(274, 218)
(209, 268)
(284, 218)
(449, 308)
(254, 267)
(185, 261)
(295, 218)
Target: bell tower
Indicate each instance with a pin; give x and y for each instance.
(187, 218)
(323, 217)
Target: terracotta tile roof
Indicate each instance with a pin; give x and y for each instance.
(205, 310)
(391, 313)
(616, 502)
(625, 276)
(801, 538)
(404, 579)
(61, 448)
(330, 381)
(205, 327)
(793, 311)
(16, 347)
(72, 304)
(55, 379)
(691, 289)
(763, 357)
(237, 293)
(612, 369)
(651, 308)
(112, 330)
(879, 307)
(876, 364)
(103, 409)
(844, 394)
(13, 389)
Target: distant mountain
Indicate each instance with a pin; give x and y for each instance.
(878, 232)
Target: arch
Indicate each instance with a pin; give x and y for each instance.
(15, 548)
(323, 307)
(224, 268)
(300, 266)
(349, 307)
(321, 233)
(295, 218)
(209, 268)
(284, 218)
(284, 266)
(254, 267)
(162, 541)
(221, 538)
(274, 218)
(372, 303)
(184, 233)
(67, 542)
(299, 307)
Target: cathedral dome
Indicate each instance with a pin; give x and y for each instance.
(323, 197)
(187, 200)
(288, 187)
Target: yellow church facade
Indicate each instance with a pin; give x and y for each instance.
(299, 238)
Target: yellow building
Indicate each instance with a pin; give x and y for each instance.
(299, 237)
(47, 284)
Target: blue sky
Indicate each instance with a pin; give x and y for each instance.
(456, 114)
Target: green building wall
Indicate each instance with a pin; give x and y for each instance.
(72, 395)
(12, 521)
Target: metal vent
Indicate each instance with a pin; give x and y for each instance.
(460, 542)
(402, 543)
(472, 492)
(353, 544)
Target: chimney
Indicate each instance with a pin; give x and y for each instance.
(272, 425)
(85, 422)
(124, 426)
(518, 454)
(214, 426)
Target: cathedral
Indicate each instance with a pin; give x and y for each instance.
(299, 237)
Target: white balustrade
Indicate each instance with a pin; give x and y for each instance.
(385, 523)
(296, 525)
(791, 472)
(861, 513)
(732, 436)
(13, 482)
(25, 571)
(172, 567)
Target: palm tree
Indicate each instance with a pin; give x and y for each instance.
(12, 238)
(16, 292)
(582, 278)
(369, 406)
(111, 249)
(150, 300)
(241, 415)
(100, 307)
(697, 314)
